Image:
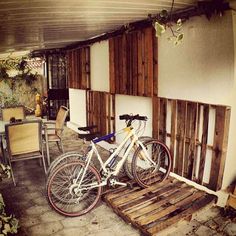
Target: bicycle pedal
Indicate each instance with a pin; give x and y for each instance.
(130, 185)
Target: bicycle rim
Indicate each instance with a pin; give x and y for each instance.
(62, 159)
(146, 173)
(61, 194)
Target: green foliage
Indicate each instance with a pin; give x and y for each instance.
(8, 224)
(8, 101)
(19, 65)
(176, 35)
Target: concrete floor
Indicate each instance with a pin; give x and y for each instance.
(29, 204)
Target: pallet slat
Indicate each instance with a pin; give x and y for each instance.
(159, 206)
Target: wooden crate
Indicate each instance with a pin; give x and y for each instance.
(156, 208)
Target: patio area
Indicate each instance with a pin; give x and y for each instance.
(28, 202)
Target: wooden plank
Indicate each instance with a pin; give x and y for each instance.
(155, 117)
(181, 118)
(156, 204)
(87, 68)
(166, 211)
(141, 192)
(149, 55)
(173, 131)
(140, 64)
(116, 54)
(181, 216)
(203, 143)
(162, 119)
(192, 116)
(124, 65)
(135, 64)
(129, 64)
(112, 65)
(220, 144)
(155, 63)
(120, 64)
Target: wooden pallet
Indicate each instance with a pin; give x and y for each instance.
(159, 206)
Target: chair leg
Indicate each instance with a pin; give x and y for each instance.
(48, 154)
(12, 175)
(60, 146)
(44, 164)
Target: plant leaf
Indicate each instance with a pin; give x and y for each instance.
(160, 29)
(179, 22)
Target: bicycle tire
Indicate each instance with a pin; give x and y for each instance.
(128, 162)
(64, 158)
(61, 195)
(144, 173)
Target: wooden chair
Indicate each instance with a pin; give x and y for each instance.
(24, 142)
(53, 130)
(17, 112)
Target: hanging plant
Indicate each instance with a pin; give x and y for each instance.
(164, 21)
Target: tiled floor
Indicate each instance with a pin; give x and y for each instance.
(28, 202)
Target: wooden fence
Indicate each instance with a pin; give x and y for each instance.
(79, 68)
(133, 63)
(101, 111)
(197, 135)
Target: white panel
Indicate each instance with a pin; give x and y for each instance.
(133, 105)
(99, 62)
(77, 107)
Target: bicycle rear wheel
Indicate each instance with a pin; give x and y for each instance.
(63, 159)
(61, 190)
(144, 172)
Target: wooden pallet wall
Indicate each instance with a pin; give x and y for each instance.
(133, 63)
(197, 135)
(101, 111)
(79, 68)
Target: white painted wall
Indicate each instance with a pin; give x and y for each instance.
(133, 105)
(77, 99)
(202, 69)
(99, 66)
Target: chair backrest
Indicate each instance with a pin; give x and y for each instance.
(16, 112)
(24, 137)
(60, 120)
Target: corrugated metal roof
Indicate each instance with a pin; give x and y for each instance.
(38, 24)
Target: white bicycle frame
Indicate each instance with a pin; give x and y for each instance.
(107, 172)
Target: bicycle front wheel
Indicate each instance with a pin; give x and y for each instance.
(148, 172)
(66, 197)
(128, 163)
(63, 159)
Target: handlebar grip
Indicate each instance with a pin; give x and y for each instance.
(131, 117)
(124, 117)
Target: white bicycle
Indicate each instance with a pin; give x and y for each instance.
(74, 187)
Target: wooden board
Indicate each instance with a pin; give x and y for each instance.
(183, 126)
(133, 63)
(79, 68)
(159, 206)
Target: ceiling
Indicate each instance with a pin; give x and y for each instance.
(42, 24)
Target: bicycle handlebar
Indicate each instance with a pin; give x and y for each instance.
(130, 118)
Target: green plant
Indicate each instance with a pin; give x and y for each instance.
(8, 223)
(20, 66)
(8, 101)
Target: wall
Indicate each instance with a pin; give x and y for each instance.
(99, 67)
(200, 69)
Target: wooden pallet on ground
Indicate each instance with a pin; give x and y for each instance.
(156, 208)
